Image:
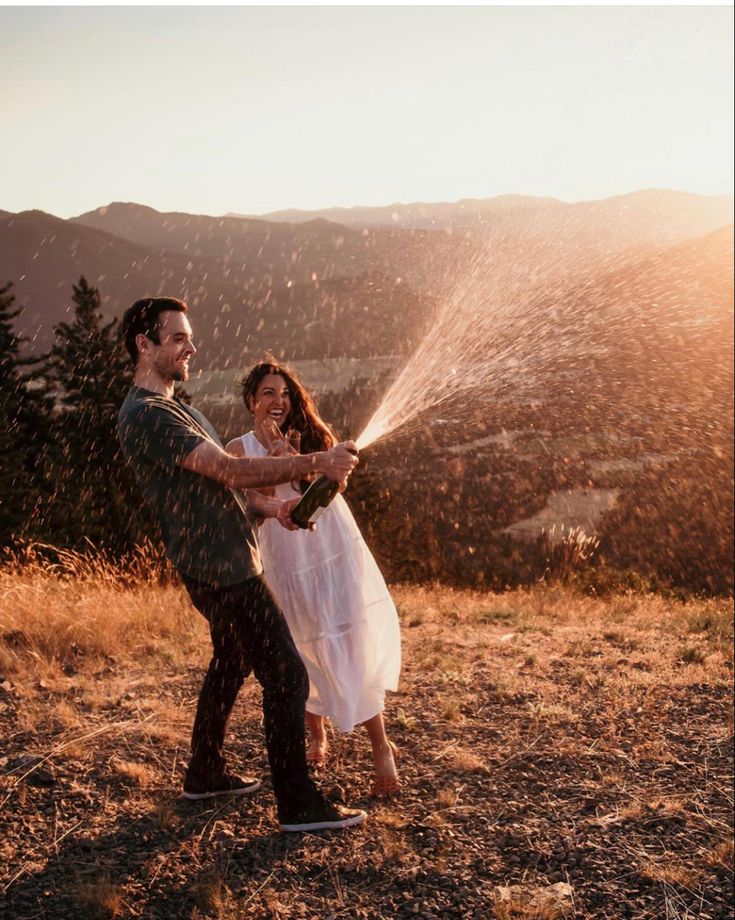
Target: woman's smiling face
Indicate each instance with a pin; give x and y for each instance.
(272, 401)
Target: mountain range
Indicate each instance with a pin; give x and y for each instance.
(664, 214)
(357, 282)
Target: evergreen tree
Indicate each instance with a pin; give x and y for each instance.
(95, 493)
(25, 433)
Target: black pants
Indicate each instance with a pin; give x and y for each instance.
(250, 633)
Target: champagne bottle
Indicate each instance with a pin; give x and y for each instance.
(314, 501)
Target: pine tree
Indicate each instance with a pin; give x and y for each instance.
(25, 433)
(96, 494)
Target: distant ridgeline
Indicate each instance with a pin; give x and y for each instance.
(631, 447)
(315, 288)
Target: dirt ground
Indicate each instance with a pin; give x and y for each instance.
(544, 738)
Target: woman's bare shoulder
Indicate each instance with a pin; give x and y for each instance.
(235, 448)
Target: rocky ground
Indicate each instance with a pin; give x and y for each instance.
(545, 741)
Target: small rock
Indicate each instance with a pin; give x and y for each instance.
(550, 901)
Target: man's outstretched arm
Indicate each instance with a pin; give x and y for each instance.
(208, 459)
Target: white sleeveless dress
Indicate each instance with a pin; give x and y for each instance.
(337, 606)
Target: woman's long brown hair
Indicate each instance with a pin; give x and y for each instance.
(315, 433)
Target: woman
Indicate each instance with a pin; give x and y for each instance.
(335, 600)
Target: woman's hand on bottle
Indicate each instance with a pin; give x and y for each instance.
(283, 516)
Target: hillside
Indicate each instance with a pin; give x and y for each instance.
(238, 306)
(44, 255)
(614, 411)
(638, 400)
(318, 246)
(545, 740)
(242, 275)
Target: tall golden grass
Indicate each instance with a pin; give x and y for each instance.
(59, 607)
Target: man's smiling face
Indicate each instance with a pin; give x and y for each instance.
(171, 357)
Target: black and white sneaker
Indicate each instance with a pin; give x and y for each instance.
(324, 816)
(229, 784)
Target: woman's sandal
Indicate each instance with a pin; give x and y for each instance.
(384, 786)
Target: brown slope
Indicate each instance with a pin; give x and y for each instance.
(646, 345)
(371, 315)
(235, 311)
(643, 347)
(287, 253)
(44, 255)
(516, 237)
(244, 306)
(523, 241)
(688, 280)
(332, 250)
(673, 316)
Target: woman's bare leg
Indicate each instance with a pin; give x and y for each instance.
(316, 751)
(383, 750)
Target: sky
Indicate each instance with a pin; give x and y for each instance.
(212, 110)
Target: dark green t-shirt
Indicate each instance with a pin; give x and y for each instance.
(207, 528)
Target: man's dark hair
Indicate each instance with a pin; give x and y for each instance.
(142, 319)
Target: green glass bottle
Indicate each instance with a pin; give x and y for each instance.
(314, 501)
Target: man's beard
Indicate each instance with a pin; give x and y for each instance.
(173, 371)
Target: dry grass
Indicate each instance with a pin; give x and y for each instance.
(446, 798)
(138, 774)
(553, 712)
(404, 721)
(525, 720)
(722, 855)
(388, 817)
(210, 894)
(56, 616)
(467, 762)
(451, 711)
(518, 903)
(520, 911)
(537, 610)
(66, 714)
(100, 898)
(99, 612)
(671, 873)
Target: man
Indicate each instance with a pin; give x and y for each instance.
(194, 488)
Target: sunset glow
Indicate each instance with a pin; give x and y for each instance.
(252, 109)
